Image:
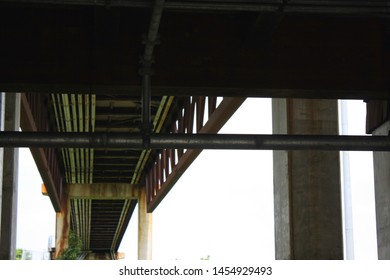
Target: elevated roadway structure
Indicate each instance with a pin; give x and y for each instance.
(117, 98)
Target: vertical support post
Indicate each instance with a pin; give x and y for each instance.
(9, 195)
(307, 191)
(144, 228)
(382, 196)
(282, 206)
(347, 190)
(63, 223)
(146, 108)
(2, 109)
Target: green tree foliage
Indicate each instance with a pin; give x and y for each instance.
(19, 254)
(74, 248)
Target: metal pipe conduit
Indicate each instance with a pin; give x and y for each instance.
(196, 141)
(153, 30)
(146, 70)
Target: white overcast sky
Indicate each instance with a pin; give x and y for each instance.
(221, 207)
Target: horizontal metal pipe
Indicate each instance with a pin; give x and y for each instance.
(196, 141)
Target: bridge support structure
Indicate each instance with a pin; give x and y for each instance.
(382, 195)
(97, 213)
(9, 187)
(81, 198)
(144, 228)
(62, 224)
(307, 191)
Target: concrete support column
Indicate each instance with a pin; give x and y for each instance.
(382, 196)
(63, 223)
(144, 228)
(2, 109)
(9, 190)
(307, 191)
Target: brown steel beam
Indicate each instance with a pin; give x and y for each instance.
(45, 158)
(157, 191)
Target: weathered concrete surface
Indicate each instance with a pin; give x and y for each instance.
(382, 196)
(307, 193)
(282, 211)
(9, 193)
(103, 191)
(144, 228)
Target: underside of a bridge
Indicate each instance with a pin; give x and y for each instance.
(101, 81)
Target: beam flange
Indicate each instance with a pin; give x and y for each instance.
(32, 120)
(315, 6)
(183, 91)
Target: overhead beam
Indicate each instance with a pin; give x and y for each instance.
(313, 6)
(103, 191)
(183, 91)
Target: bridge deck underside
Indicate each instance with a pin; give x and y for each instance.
(85, 59)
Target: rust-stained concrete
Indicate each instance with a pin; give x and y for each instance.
(63, 224)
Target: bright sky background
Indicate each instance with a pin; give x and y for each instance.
(221, 207)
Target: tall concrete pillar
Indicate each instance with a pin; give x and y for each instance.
(382, 196)
(2, 109)
(144, 228)
(307, 191)
(9, 193)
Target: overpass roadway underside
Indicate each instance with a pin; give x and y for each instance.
(155, 68)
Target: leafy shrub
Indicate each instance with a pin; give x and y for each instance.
(74, 248)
